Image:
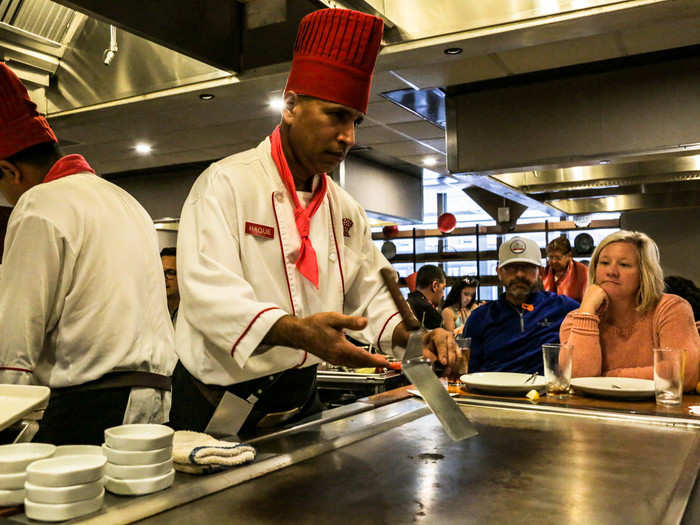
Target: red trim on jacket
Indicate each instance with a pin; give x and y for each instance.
(379, 338)
(15, 369)
(306, 354)
(233, 349)
(337, 252)
(284, 262)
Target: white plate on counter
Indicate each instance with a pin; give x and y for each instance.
(78, 450)
(9, 498)
(66, 470)
(138, 471)
(15, 458)
(139, 437)
(64, 511)
(137, 487)
(615, 387)
(137, 457)
(70, 494)
(12, 481)
(16, 401)
(503, 382)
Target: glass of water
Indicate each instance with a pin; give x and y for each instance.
(669, 368)
(557, 369)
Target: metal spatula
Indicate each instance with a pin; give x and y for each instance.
(419, 372)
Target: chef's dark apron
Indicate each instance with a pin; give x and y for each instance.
(194, 402)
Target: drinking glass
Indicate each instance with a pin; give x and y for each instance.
(557, 369)
(669, 367)
(463, 366)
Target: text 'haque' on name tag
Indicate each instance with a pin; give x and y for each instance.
(260, 230)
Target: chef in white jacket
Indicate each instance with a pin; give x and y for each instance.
(82, 302)
(275, 261)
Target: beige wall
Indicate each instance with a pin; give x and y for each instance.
(677, 232)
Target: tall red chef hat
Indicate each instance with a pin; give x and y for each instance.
(334, 56)
(21, 126)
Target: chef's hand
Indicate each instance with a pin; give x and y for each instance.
(595, 300)
(439, 344)
(323, 335)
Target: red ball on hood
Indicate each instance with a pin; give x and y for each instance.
(390, 231)
(447, 222)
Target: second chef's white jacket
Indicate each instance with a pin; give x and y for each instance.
(82, 291)
(237, 249)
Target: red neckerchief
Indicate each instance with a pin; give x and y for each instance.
(68, 165)
(306, 263)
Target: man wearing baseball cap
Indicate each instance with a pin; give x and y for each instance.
(275, 260)
(508, 334)
(82, 303)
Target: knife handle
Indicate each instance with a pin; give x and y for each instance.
(409, 318)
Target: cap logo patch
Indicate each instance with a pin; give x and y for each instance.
(517, 247)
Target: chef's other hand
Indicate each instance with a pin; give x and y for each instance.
(439, 344)
(323, 335)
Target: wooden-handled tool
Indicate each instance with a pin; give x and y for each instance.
(409, 318)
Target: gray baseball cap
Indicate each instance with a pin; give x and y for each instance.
(519, 249)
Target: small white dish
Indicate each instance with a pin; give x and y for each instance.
(10, 498)
(15, 458)
(615, 387)
(138, 471)
(78, 450)
(137, 487)
(504, 382)
(139, 437)
(66, 470)
(64, 511)
(71, 494)
(136, 457)
(12, 481)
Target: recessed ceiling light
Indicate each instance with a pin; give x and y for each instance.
(429, 161)
(453, 51)
(276, 103)
(605, 161)
(142, 148)
(206, 96)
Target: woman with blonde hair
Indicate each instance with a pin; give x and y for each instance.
(625, 313)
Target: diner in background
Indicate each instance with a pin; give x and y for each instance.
(426, 298)
(82, 302)
(507, 334)
(563, 275)
(625, 314)
(276, 261)
(459, 303)
(168, 257)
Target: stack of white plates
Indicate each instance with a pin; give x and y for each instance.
(139, 459)
(64, 487)
(14, 460)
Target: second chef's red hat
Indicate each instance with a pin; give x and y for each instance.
(334, 56)
(21, 125)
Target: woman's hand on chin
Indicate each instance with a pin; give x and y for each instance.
(595, 300)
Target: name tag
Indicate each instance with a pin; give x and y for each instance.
(259, 230)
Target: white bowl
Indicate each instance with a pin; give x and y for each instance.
(64, 511)
(78, 450)
(71, 494)
(15, 458)
(12, 481)
(136, 457)
(11, 497)
(137, 487)
(139, 437)
(138, 471)
(66, 470)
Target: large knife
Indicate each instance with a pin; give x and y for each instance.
(420, 373)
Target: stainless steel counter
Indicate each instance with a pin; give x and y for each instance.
(395, 464)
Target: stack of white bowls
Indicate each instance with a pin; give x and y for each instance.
(139, 459)
(14, 460)
(65, 486)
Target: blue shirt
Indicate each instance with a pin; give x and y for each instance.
(507, 338)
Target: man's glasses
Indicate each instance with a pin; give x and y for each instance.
(170, 274)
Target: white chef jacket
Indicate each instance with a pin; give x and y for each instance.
(237, 249)
(82, 291)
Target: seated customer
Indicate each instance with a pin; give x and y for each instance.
(460, 302)
(425, 300)
(508, 334)
(624, 314)
(562, 274)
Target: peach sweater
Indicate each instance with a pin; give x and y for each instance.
(603, 349)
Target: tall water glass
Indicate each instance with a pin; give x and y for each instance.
(669, 368)
(557, 369)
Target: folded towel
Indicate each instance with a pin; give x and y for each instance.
(199, 453)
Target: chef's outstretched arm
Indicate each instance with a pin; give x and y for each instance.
(323, 335)
(437, 344)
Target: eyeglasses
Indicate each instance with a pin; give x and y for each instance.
(557, 257)
(170, 274)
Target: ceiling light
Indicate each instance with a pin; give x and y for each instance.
(142, 148)
(605, 161)
(453, 51)
(276, 103)
(429, 161)
(206, 96)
